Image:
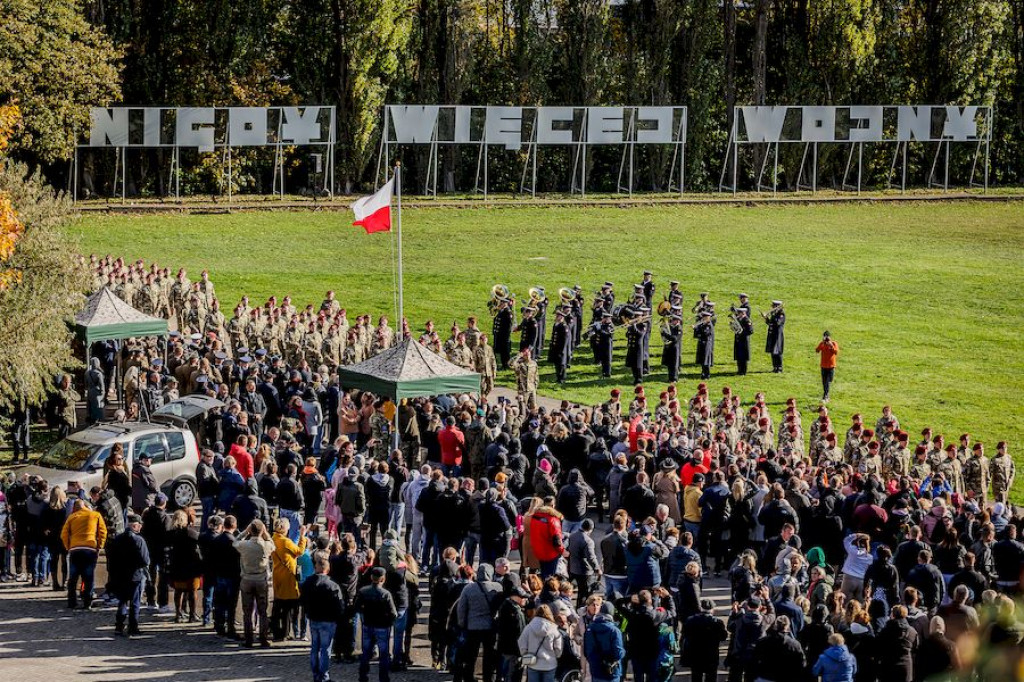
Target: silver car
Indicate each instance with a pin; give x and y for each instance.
(80, 457)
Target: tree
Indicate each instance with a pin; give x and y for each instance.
(42, 287)
(54, 66)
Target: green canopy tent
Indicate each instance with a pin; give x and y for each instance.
(409, 370)
(107, 318)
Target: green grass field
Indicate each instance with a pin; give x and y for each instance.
(925, 300)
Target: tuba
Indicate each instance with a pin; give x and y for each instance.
(664, 308)
(536, 295)
(566, 295)
(499, 294)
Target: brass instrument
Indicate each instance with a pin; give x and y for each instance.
(499, 294)
(566, 295)
(536, 295)
(664, 308)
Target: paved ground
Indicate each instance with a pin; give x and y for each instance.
(41, 641)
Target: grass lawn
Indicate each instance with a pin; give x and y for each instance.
(925, 300)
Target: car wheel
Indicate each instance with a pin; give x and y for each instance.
(183, 493)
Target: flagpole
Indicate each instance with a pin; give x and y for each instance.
(398, 193)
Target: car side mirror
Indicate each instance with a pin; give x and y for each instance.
(92, 469)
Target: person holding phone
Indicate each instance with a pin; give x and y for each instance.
(829, 351)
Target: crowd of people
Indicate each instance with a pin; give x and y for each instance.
(553, 543)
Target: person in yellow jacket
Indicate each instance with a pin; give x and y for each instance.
(286, 583)
(83, 535)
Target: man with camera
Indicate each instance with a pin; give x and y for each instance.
(829, 350)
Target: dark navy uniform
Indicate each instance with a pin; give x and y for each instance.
(528, 334)
(704, 332)
(558, 351)
(741, 343)
(635, 350)
(775, 338)
(671, 353)
(504, 321)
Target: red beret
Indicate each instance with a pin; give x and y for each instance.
(873, 445)
(638, 389)
(830, 436)
(919, 450)
(763, 421)
(870, 433)
(977, 446)
(616, 392)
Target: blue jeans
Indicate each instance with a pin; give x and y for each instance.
(613, 585)
(375, 638)
(294, 521)
(396, 519)
(81, 564)
(431, 549)
(225, 603)
(472, 542)
(129, 608)
(398, 640)
(540, 675)
(694, 529)
(38, 561)
(209, 505)
(570, 527)
(321, 634)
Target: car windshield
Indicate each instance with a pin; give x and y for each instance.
(74, 455)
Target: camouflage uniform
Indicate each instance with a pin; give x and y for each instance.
(236, 332)
(976, 477)
(871, 464)
(1001, 470)
(195, 317)
(920, 470)
(952, 471)
(830, 455)
(215, 323)
(380, 429)
(897, 462)
(485, 365)
(472, 336)
(526, 380)
(462, 356)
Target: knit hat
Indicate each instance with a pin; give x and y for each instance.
(544, 466)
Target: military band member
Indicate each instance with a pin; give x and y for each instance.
(540, 314)
(635, 349)
(976, 475)
(648, 288)
(700, 306)
(528, 330)
(704, 332)
(526, 378)
(576, 307)
(604, 302)
(558, 351)
(484, 364)
(1002, 471)
(639, 301)
(672, 350)
(744, 304)
(570, 325)
(602, 341)
(504, 323)
(741, 339)
(675, 294)
(775, 336)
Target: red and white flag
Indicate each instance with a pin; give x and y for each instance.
(373, 213)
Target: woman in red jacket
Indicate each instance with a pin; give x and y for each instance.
(546, 539)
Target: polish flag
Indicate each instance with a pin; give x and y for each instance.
(373, 213)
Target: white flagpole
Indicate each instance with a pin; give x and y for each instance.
(398, 193)
(401, 311)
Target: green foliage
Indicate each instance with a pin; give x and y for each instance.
(54, 65)
(35, 339)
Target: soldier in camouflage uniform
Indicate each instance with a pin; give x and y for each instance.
(312, 344)
(179, 296)
(871, 462)
(206, 288)
(976, 474)
(384, 335)
(380, 433)
(472, 333)
(330, 304)
(761, 438)
(952, 470)
(730, 431)
(936, 452)
(236, 329)
(332, 348)
(485, 364)
(963, 452)
(887, 418)
(830, 455)
(526, 378)
(896, 461)
(860, 450)
(195, 317)
(920, 469)
(430, 339)
(853, 434)
(67, 397)
(1002, 471)
(215, 321)
(452, 341)
(460, 354)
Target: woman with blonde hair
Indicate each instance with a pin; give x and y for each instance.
(185, 565)
(54, 516)
(540, 645)
(286, 585)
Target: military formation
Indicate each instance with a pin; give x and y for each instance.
(636, 317)
(312, 336)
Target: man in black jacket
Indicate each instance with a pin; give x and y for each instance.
(250, 506)
(379, 614)
(128, 564)
(344, 571)
(509, 624)
(290, 501)
(643, 620)
(208, 484)
(778, 656)
(155, 525)
(572, 502)
(323, 604)
(928, 581)
(702, 635)
(227, 578)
